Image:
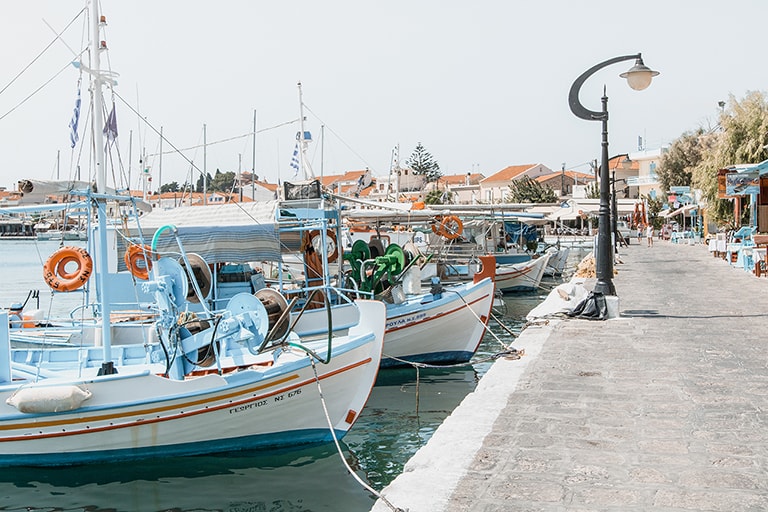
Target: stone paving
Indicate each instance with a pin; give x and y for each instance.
(664, 408)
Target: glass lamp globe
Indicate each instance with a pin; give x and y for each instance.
(639, 76)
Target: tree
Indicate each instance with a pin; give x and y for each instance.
(527, 190)
(439, 197)
(422, 163)
(654, 207)
(224, 181)
(170, 187)
(743, 138)
(685, 153)
(199, 183)
(593, 190)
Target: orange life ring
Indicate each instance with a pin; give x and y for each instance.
(450, 227)
(316, 243)
(55, 269)
(137, 259)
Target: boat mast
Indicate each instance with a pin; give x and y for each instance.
(98, 113)
(107, 367)
(205, 165)
(253, 159)
(305, 167)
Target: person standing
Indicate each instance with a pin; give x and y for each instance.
(649, 234)
(639, 233)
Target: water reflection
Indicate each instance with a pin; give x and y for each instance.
(310, 478)
(405, 408)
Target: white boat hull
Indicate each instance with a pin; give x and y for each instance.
(438, 331)
(556, 265)
(521, 276)
(274, 402)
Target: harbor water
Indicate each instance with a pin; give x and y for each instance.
(405, 408)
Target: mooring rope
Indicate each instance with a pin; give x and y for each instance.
(338, 446)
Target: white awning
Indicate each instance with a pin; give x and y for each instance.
(685, 210)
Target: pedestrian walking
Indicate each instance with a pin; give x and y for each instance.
(639, 233)
(649, 234)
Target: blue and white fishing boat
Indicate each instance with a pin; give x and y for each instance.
(185, 382)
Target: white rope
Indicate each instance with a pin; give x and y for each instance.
(338, 446)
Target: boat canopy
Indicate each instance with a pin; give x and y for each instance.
(222, 233)
(517, 230)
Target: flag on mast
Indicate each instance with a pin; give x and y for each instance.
(295, 160)
(110, 129)
(73, 136)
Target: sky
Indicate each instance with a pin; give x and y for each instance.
(481, 84)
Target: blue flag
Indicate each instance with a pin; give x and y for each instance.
(73, 136)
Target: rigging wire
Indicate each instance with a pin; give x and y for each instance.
(33, 93)
(58, 36)
(221, 141)
(339, 137)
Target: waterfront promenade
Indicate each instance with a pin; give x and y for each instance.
(664, 408)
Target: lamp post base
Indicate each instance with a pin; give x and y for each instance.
(605, 287)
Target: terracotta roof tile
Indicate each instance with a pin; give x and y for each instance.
(460, 179)
(509, 173)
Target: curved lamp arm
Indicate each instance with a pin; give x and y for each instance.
(573, 96)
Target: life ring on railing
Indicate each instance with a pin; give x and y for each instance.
(137, 259)
(332, 248)
(313, 265)
(450, 227)
(55, 270)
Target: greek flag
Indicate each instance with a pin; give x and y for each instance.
(73, 136)
(295, 160)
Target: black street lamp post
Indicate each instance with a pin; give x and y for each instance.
(639, 77)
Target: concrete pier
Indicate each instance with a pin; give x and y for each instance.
(664, 408)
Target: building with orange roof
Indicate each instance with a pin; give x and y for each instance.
(495, 188)
(464, 188)
(566, 183)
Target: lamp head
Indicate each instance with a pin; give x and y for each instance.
(639, 76)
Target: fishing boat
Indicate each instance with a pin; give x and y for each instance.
(212, 380)
(557, 261)
(441, 325)
(518, 277)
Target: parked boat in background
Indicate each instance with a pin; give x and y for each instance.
(519, 277)
(557, 261)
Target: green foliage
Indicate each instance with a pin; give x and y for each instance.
(224, 181)
(527, 190)
(685, 153)
(199, 183)
(437, 197)
(221, 182)
(654, 206)
(744, 134)
(170, 187)
(422, 163)
(592, 190)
